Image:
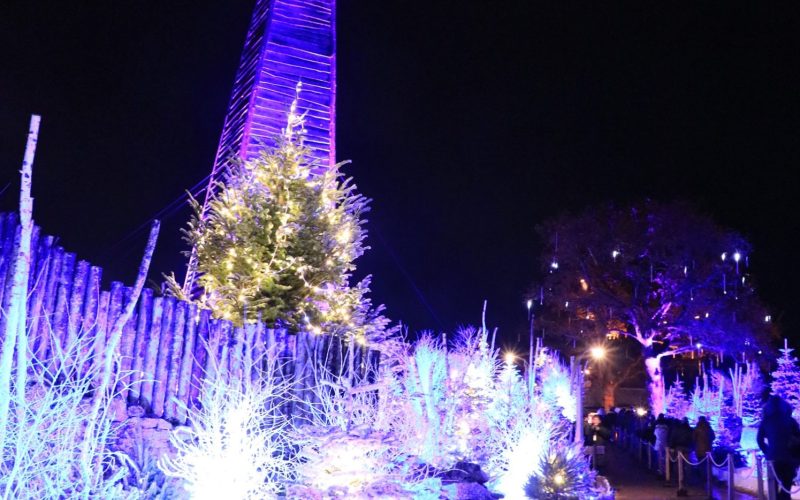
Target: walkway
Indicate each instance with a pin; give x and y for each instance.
(632, 481)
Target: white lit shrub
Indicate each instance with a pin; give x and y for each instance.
(237, 445)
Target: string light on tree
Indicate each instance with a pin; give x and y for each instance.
(279, 242)
(656, 301)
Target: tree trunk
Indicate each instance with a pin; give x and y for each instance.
(15, 334)
(657, 395)
(609, 395)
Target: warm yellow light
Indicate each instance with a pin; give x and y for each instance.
(344, 236)
(584, 285)
(509, 357)
(598, 352)
(641, 411)
(559, 479)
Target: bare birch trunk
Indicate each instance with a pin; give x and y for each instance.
(15, 334)
(114, 337)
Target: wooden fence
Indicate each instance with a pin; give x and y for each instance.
(168, 347)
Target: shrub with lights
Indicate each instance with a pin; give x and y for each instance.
(562, 475)
(278, 243)
(434, 409)
(238, 443)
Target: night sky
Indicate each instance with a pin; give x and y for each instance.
(467, 123)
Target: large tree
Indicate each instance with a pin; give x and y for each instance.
(278, 242)
(663, 275)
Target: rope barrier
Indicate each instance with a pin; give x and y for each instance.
(752, 473)
(778, 481)
(693, 464)
(669, 454)
(719, 466)
(679, 457)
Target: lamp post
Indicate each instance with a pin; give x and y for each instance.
(529, 305)
(597, 353)
(577, 376)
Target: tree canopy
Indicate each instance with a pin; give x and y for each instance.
(662, 274)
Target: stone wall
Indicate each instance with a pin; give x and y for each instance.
(140, 437)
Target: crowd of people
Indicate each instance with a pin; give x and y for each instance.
(778, 437)
(662, 432)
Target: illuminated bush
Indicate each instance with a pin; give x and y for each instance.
(53, 453)
(238, 444)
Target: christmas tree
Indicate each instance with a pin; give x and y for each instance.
(752, 397)
(279, 242)
(677, 403)
(786, 378)
(563, 474)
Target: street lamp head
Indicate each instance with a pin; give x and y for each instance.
(530, 304)
(598, 352)
(737, 256)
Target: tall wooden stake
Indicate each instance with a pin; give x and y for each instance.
(15, 334)
(102, 390)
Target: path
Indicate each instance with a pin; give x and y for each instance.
(632, 481)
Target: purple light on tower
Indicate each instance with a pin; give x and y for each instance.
(288, 41)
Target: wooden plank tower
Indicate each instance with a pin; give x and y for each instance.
(288, 42)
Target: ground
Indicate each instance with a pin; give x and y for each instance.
(633, 481)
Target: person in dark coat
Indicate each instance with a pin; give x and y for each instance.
(777, 434)
(596, 436)
(703, 437)
(680, 436)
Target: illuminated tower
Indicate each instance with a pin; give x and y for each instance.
(288, 41)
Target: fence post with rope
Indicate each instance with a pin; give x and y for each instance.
(730, 476)
(709, 473)
(667, 459)
(772, 489)
(759, 476)
(775, 484)
(683, 459)
(656, 459)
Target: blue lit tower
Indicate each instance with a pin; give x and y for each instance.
(288, 41)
